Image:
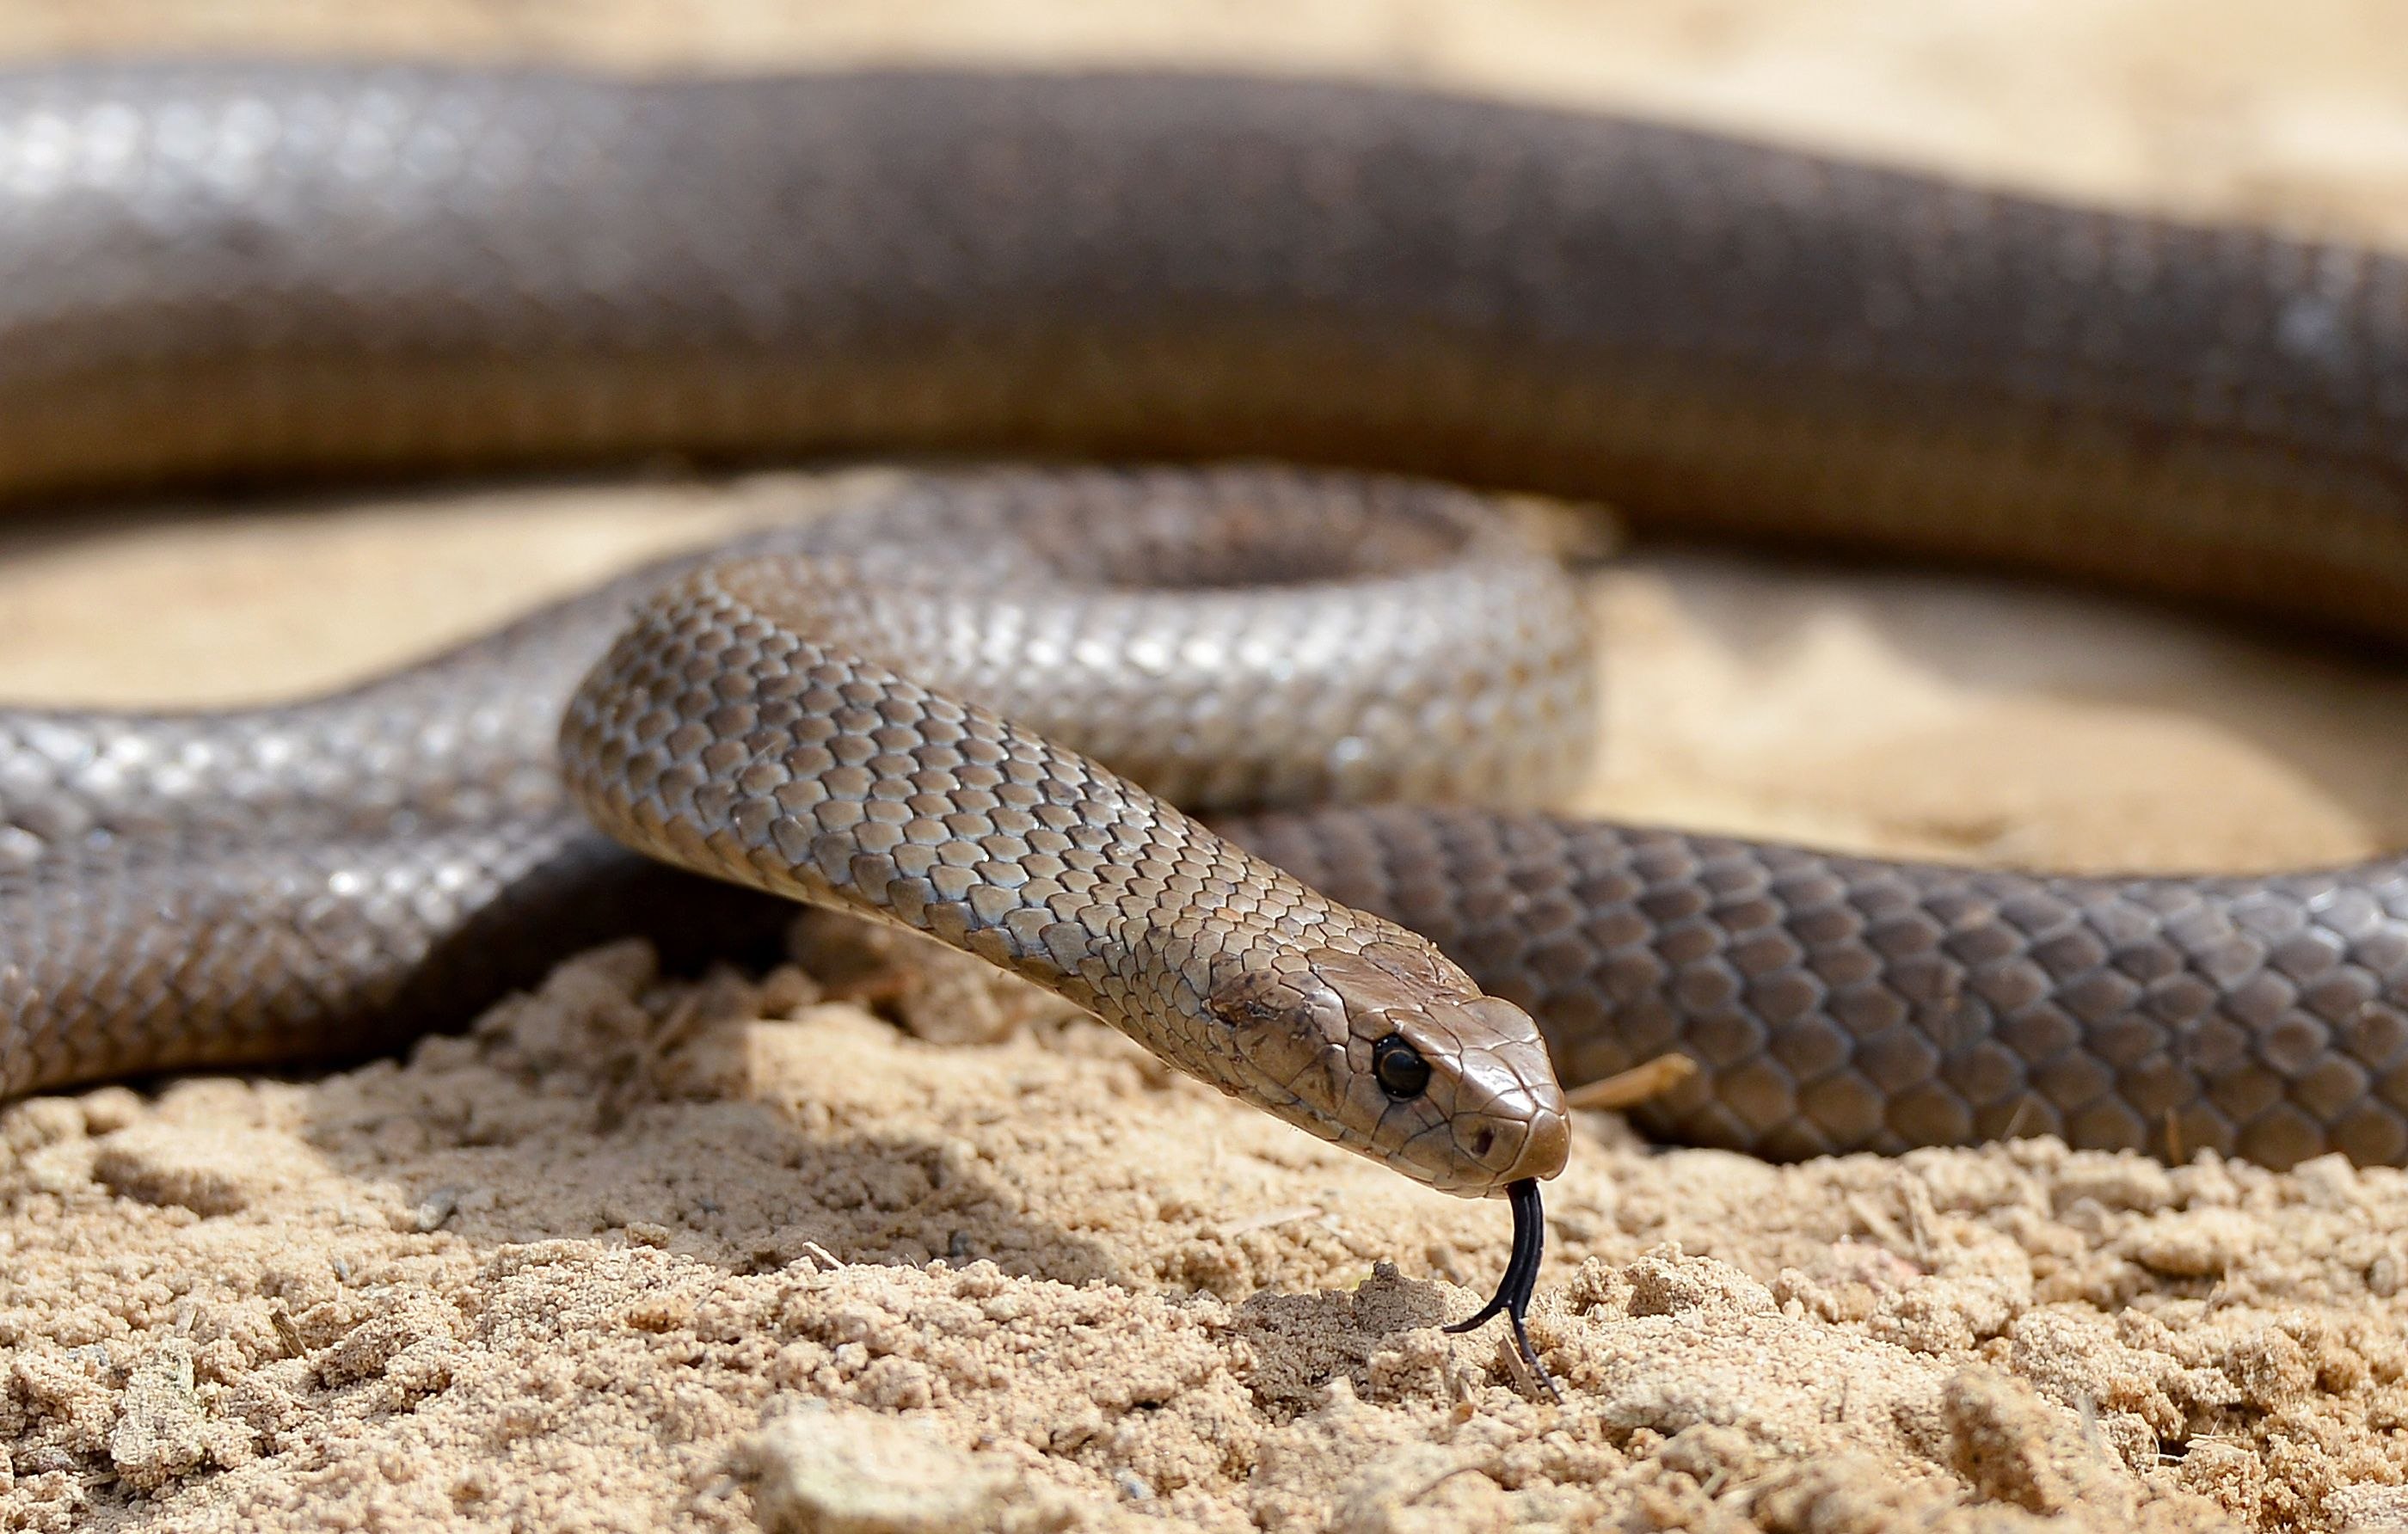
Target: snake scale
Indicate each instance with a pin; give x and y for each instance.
(226, 274)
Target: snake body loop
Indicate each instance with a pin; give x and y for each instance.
(237, 273)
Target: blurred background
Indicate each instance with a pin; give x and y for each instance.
(2294, 108)
(1944, 716)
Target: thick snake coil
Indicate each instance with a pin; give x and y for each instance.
(229, 274)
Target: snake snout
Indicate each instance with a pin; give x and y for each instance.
(1451, 1087)
(1507, 1120)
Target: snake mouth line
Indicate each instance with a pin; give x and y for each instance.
(1521, 1281)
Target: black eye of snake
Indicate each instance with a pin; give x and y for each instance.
(1399, 1068)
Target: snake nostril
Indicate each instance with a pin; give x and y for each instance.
(1481, 1143)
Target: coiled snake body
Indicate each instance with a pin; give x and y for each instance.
(230, 273)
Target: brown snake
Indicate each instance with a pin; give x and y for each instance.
(227, 274)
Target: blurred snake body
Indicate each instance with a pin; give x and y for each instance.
(230, 274)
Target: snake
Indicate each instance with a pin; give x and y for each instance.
(1247, 348)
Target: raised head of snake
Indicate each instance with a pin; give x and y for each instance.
(809, 771)
(1390, 1049)
(773, 718)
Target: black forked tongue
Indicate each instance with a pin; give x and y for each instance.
(1521, 1280)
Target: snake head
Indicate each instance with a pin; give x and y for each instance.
(1389, 1049)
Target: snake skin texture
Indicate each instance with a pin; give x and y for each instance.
(1846, 1004)
(232, 274)
(736, 729)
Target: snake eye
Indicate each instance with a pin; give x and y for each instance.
(1399, 1068)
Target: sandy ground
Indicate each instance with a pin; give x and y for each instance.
(627, 1256)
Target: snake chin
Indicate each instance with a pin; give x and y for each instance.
(1309, 1038)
